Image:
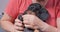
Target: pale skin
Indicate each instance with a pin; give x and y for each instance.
(38, 23)
(8, 25)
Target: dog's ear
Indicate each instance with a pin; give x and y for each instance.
(43, 10)
(43, 14)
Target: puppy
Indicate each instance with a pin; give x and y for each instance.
(37, 10)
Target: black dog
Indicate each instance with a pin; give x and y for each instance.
(38, 10)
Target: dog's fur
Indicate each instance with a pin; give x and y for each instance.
(40, 11)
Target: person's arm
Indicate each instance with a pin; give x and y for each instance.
(46, 28)
(10, 13)
(7, 23)
(51, 28)
(58, 24)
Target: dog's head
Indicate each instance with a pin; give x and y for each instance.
(38, 10)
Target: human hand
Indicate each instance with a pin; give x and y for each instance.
(18, 26)
(31, 21)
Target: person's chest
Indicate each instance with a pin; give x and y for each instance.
(53, 10)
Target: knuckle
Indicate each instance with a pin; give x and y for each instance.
(18, 25)
(18, 28)
(17, 20)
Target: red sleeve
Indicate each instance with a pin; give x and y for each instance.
(58, 14)
(12, 8)
(58, 7)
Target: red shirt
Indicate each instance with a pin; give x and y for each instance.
(16, 7)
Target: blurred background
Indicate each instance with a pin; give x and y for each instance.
(3, 4)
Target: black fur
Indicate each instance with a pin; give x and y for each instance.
(40, 12)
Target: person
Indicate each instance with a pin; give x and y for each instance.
(16, 7)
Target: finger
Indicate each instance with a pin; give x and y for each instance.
(19, 28)
(32, 26)
(26, 22)
(19, 24)
(36, 27)
(18, 31)
(29, 26)
(25, 17)
(17, 20)
(29, 16)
